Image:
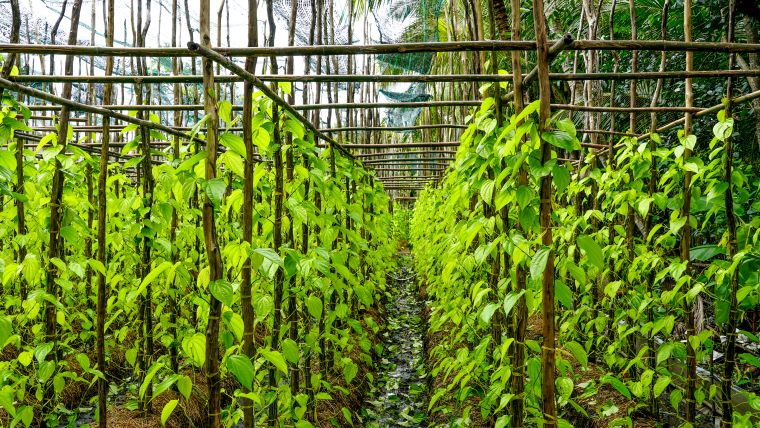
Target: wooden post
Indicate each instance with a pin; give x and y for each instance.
(246, 302)
(691, 353)
(651, 362)
(547, 284)
(20, 213)
(729, 362)
(520, 315)
(173, 292)
(55, 249)
(102, 219)
(213, 253)
(292, 313)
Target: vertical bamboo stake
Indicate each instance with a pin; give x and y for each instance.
(726, 384)
(691, 353)
(213, 253)
(292, 315)
(547, 283)
(219, 88)
(146, 305)
(195, 201)
(13, 38)
(277, 228)
(53, 35)
(520, 315)
(634, 65)
(652, 188)
(496, 263)
(305, 225)
(88, 167)
(55, 249)
(173, 292)
(6, 72)
(102, 216)
(246, 302)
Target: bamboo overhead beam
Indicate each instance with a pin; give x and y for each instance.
(400, 104)
(394, 128)
(390, 48)
(313, 78)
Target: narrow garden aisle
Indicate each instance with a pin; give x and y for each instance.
(399, 398)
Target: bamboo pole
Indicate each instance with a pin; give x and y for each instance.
(391, 155)
(394, 128)
(463, 46)
(458, 78)
(520, 315)
(400, 145)
(547, 283)
(424, 104)
(685, 235)
(213, 252)
(102, 236)
(729, 362)
(55, 247)
(412, 170)
(246, 291)
(174, 293)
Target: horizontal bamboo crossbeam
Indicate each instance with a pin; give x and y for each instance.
(73, 105)
(96, 129)
(408, 177)
(395, 128)
(402, 145)
(648, 75)
(603, 109)
(403, 188)
(378, 170)
(663, 45)
(449, 154)
(308, 78)
(303, 107)
(604, 132)
(49, 118)
(400, 104)
(390, 48)
(328, 78)
(406, 161)
(417, 104)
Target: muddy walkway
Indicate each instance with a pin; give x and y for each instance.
(399, 397)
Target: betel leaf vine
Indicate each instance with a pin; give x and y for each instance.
(623, 293)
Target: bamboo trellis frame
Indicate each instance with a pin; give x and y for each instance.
(371, 152)
(369, 143)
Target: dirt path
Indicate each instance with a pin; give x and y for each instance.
(399, 398)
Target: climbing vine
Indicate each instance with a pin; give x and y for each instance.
(623, 293)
